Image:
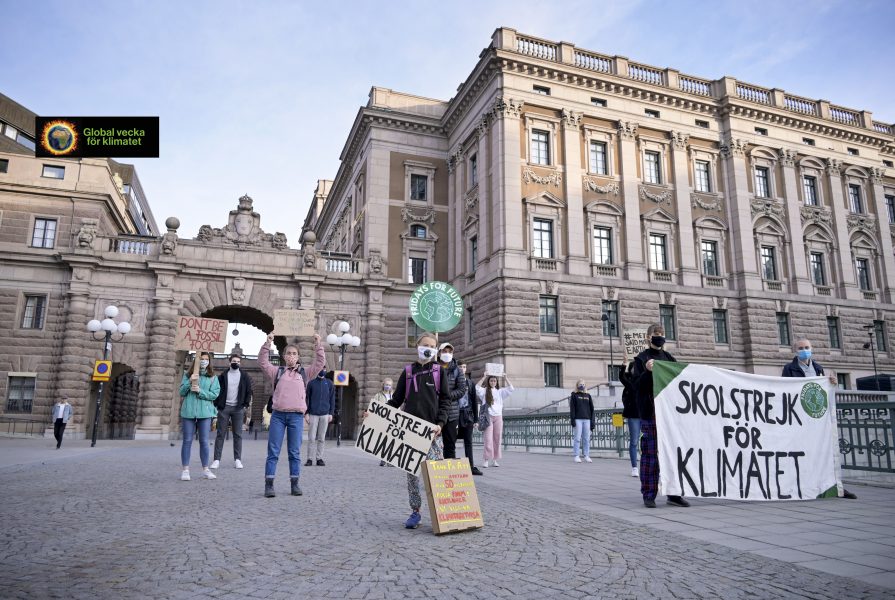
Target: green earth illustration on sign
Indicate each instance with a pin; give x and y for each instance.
(814, 400)
(436, 306)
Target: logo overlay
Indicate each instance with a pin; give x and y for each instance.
(97, 137)
(814, 400)
(436, 306)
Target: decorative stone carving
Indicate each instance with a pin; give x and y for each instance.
(657, 198)
(308, 249)
(679, 139)
(834, 166)
(733, 147)
(408, 215)
(876, 174)
(766, 207)
(471, 200)
(593, 186)
(87, 233)
(572, 118)
(865, 222)
(483, 125)
(627, 130)
(706, 202)
(119, 183)
(820, 215)
(787, 157)
(243, 229)
(509, 107)
(169, 240)
(529, 176)
(239, 290)
(376, 265)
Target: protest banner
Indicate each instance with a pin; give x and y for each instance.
(201, 335)
(300, 323)
(633, 343)
(397, 437)
(724, 434)
(450, 490)
(495, 369)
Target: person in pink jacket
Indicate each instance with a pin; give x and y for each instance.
(289, 407)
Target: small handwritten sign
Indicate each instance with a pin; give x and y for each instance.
(453, 501)
(201, 335)
(494, 369)
(634, 342)
(301, 323)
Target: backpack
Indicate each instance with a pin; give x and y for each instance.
(408, 375)
(280, 371)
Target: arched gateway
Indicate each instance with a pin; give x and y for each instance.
(236, 272)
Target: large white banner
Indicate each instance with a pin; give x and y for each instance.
(723, 434)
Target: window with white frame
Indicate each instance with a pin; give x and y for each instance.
(719, 326)
(890, 207)
(473, 170)
(703, 181)
(862, 270)
(855, 199)
(658, 252)
(762, 182)
(818, 271)
(552, 376)
(548, 314)
(610, 325)
(651, 169)
(710, 266)
(418, 231)
(44, 233)
(769, 263)
(667, 319)
(19, 394)
(53, 172)
(34, 312)
(602, 245)
(879, 333)
(783, 331)
(540, 147)
(419, 185)
(473, 253)
(809, 186)
(598, 160)
(542, 238)
(833, 331)
(417, 270)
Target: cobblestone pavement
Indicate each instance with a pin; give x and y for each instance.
(115, 522)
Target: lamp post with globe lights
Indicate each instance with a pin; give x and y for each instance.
(342, 341)
(106, 328)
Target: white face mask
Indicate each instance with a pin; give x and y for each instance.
(203, 364)
(425, 353)
(447, 357)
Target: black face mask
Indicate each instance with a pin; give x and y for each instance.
(657, 340)
(234, 365)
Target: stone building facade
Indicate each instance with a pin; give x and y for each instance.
(560, 183)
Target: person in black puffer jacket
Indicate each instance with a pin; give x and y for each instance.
(632, 415)
(581, 412)
(457, 388)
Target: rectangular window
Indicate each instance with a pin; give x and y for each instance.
(862, 268)
(703, 183)
(44, 234)
(761, 131)
(818, 273)
(603, 245)
(473, 170)
(666, 318)
(719, 324)
(614, 372)
(651, 113)
(598, 158)
(540, 89)
(855, 201)
(4, 165)
(842, 381)
(35, 311)
(807, 141)
(418, 231)
(701, 123)
(879, 332)
(833, 329)
(710, 265)
(783, 329)
(548, 314)
(853, 151)
(598, 102)
(417, 270)
(769, 263)
(651, 174)
(542, 242)
(418, 187)
(552, 375)
(20, 394)
(470, 325)
(540, 147)
(473, 252)
(53, 172)
(888, 163)
(762, 185)
(809, 185)
(890, 208)
(413, 332)
(610, 326)
(11, 132)
(658, 255)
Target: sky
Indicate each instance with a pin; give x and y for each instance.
(258, 97)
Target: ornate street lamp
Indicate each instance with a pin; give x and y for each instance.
(106, 329)
(342, 341)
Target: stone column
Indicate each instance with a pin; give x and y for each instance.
(509, 225)
(635, 266)
(73, 375)
(455, 209)
(161, 373)
(846, 276)
(689, 268)
(486, 247)
(887, 261)
(743, 263)
(800, 282)
(577, 262)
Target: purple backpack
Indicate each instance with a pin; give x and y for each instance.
(408, 376)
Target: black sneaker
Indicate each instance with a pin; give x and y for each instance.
(309, 463)
(649, 503)
(477, 471)
(849, 495)
(320, 462)
(677, 501)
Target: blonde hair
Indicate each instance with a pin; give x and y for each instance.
(425, 335)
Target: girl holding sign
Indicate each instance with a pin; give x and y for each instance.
(492, 399)
(199, 390)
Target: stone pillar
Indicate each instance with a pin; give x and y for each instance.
(73, 375)
(161, 373)
(456, 191)
(634, 264)
(887, 261)
(844, 263)
(743, 263)
(485, 159)
(509, 225)
(800, 282)
(577, 262)
(689, 268)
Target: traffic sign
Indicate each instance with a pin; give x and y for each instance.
(102, 370)
(340, 377)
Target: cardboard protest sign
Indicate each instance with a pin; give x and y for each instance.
(397, 437)
(494, 369)
(301, 323)
(453, 501)
(723, 434)
(634, 342)
(201, 335)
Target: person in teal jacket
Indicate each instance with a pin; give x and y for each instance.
(199, 393)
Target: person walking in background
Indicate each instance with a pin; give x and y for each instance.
(288, 404)
(456, 390)
(199, 391)
(382, 397)
(233, 403)
(581, 412)
(468, 419)
(492, 399)
(61, 415)
(321, 406)
(631, 414)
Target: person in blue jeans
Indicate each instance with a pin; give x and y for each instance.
(199, 393)
(581, 412)
(631, 414)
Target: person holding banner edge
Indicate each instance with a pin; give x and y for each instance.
(199, 391)
(803, 365)
(642, 381)
(469, 419)
(456, 390)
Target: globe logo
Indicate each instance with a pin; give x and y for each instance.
(59, 137)
(437, 307)
(814, 400)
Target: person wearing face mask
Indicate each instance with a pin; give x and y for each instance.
(642, 382)
(232, 404)
(422, 389)
(382, 397)
(456, 390)
(199, 392)
(492, 399)
(581, 411)
(321, 406)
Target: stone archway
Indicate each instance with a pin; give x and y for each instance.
(349, 409)
(120, 404)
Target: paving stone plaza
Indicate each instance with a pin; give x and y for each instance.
(114, 521)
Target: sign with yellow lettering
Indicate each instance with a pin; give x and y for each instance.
(450, 489)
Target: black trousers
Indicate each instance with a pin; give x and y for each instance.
(58, 430)
(466, 434)
(449, 437)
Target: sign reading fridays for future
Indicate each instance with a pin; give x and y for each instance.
(724, 434)
(436, 306)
